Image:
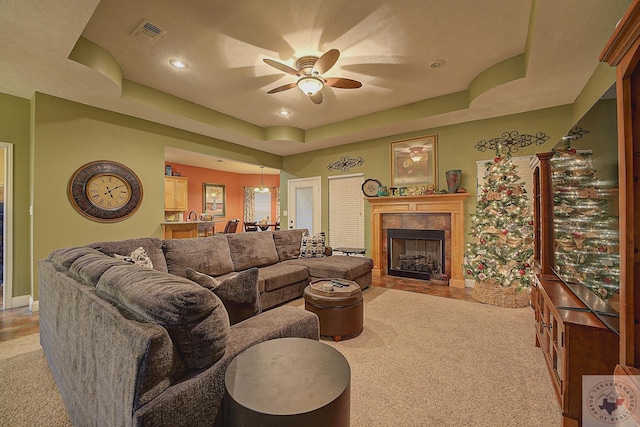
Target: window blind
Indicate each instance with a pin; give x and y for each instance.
(304, 208)
(262, 206)
(346, 211)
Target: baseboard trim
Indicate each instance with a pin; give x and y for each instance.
(21, 301)
(34, 305)
(469, 283)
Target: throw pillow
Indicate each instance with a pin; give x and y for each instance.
(137, 257)
(312, 247)
(202, 279)
(239, 293)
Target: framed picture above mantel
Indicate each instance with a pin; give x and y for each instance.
(415, 162)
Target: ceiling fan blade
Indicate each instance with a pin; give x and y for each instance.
(341, 83)
(317, 98)
(280, 66)
(326, 61)
(283, 88)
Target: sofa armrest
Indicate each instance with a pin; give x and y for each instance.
(281, 322)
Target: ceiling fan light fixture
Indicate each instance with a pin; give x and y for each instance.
(310, 85)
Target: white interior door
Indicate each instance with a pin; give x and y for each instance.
(304, 204)
(6, 226)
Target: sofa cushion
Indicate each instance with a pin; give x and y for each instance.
(152, 245)
(336, 266)
(208, 255)
(288, 243)
(281, 275)
(63, 258)
(193, 316)
(312, 246)
(90, 267)
(202, 279)
(239, 293)
(255, 249)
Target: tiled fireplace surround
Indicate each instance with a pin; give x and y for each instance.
(428, 212)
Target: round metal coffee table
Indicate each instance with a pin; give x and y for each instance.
(288, 382)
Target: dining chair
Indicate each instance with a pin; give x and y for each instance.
(231, 226)
(250, 226)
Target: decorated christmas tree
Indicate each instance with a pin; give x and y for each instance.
(500, 252)
(585, 231)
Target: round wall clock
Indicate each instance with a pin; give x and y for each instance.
(370, 187)
(105, 191)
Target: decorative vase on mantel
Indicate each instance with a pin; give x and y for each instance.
(453, 180)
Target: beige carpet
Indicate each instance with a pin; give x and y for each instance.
(29, 396)
(420, 361)
(429, 361)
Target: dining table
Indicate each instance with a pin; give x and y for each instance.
(264, 226)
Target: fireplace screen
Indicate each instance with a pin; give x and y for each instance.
(415, 253)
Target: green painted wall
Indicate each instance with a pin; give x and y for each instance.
(601, 123)
(67, 135)
(53, 137)
(456, 150)
(14, 129)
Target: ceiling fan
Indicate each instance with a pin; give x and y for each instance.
(309, 69)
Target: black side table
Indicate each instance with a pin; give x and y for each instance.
(288, 382)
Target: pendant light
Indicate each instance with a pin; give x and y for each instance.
(262, 188)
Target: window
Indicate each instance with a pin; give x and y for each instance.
(262, 207)
(346, 211)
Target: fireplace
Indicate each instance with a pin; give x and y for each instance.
(423, 212)
(415, 253)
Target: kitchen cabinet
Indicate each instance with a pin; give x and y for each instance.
(175, 193)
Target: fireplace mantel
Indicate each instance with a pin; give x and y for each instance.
(452, 204)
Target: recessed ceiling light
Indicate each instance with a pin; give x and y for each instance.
(284, 112)
(437, 63)
(178, 64)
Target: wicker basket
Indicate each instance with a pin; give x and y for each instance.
(439, 279)
(501, 296)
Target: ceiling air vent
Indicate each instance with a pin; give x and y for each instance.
(148, 32)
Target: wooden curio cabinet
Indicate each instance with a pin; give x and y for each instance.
(542, 207)
(574, 342)
(623, 52)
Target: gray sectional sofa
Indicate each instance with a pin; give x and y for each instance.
(135, 346)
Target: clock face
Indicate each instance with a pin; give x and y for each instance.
(108, 191)
(105, 191)
(370, 187)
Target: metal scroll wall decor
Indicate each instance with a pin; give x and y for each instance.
(511, 142)
(345, 164)
(576, 132)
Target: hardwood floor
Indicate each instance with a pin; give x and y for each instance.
(18, 322)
